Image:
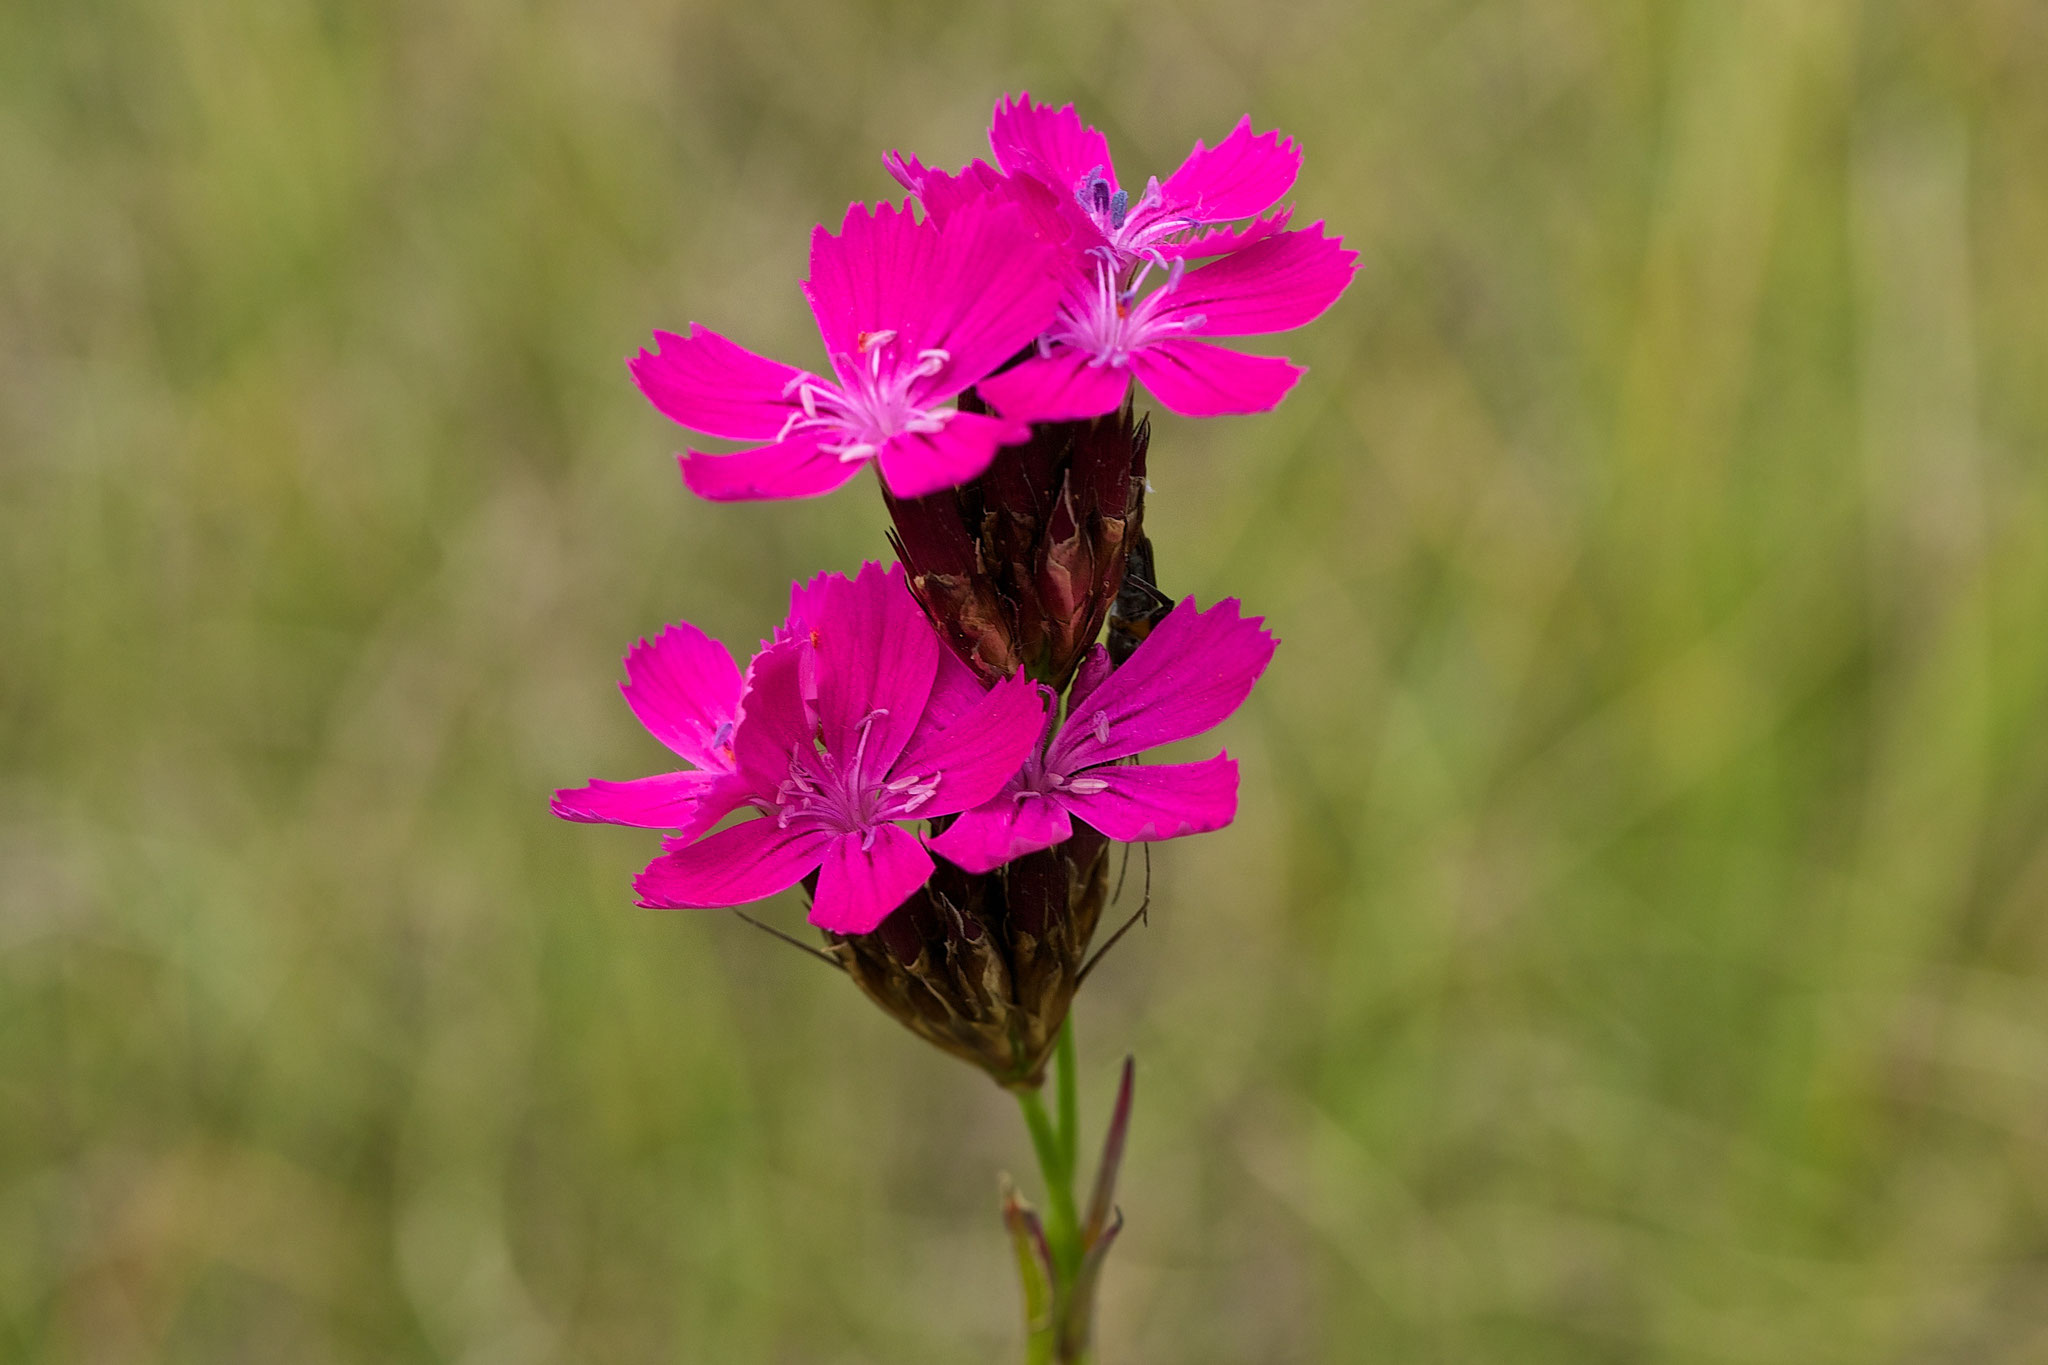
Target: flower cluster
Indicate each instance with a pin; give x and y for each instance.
(940, 751)
(1043, 254)
(856, 719)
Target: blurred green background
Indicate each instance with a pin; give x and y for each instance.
(1633, 946)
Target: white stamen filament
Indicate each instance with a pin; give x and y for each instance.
(877, 402)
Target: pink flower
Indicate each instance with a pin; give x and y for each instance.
(1108, 329)
(685, 689)
(1192, 671)
(858, 720)
(1107, 333)
(911, 313)
(1240, 177)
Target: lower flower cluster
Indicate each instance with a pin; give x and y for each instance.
(858, 745)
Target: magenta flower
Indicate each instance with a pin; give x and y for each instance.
(1240, 177)
(685, 689)
(860, 719)
(911, 313)
(1108, 330)
(1192, 672)
(1106, 333)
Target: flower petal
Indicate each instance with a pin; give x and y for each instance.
(1053, 144)
(1191, 672)
(917, 463)
(1139, 805)
(994, 285)
(956, 690)
(974, 291)
(688, 802)
(1219, 241)
(794, 468)
(877, 656)
(1196, 379)
(708, 384)
(775, 717)
(1006, 827)
(975, 755)
(909, 172)
(745, 862)
(1062, 387)
(864, 278)
(806, 607)
(941, 191)
(1089, 676)
(859, 887)
(685, 689)
(1240, 176)
(1280, 282)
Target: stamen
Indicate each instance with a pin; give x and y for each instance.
(1086, 786)
(872, 341)
(860, 747)
(1119, 205)
(1101, 724)
(921, 790)
(1094, 192)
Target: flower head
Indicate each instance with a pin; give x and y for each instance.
(856, 721)
(1109, 328)
(1193, 670)
(911, 313)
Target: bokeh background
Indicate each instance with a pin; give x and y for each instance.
(1634, 946)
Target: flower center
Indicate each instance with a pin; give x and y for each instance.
(1109, 321)
(878, 397)
(1040, 777)
(839, 795)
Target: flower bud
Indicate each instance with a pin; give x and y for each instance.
(985, 966)
(1020, 567)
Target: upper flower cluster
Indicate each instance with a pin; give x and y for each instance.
(1039, 282)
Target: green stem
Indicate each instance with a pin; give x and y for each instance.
(1069, 1100)
(1062, 1222)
